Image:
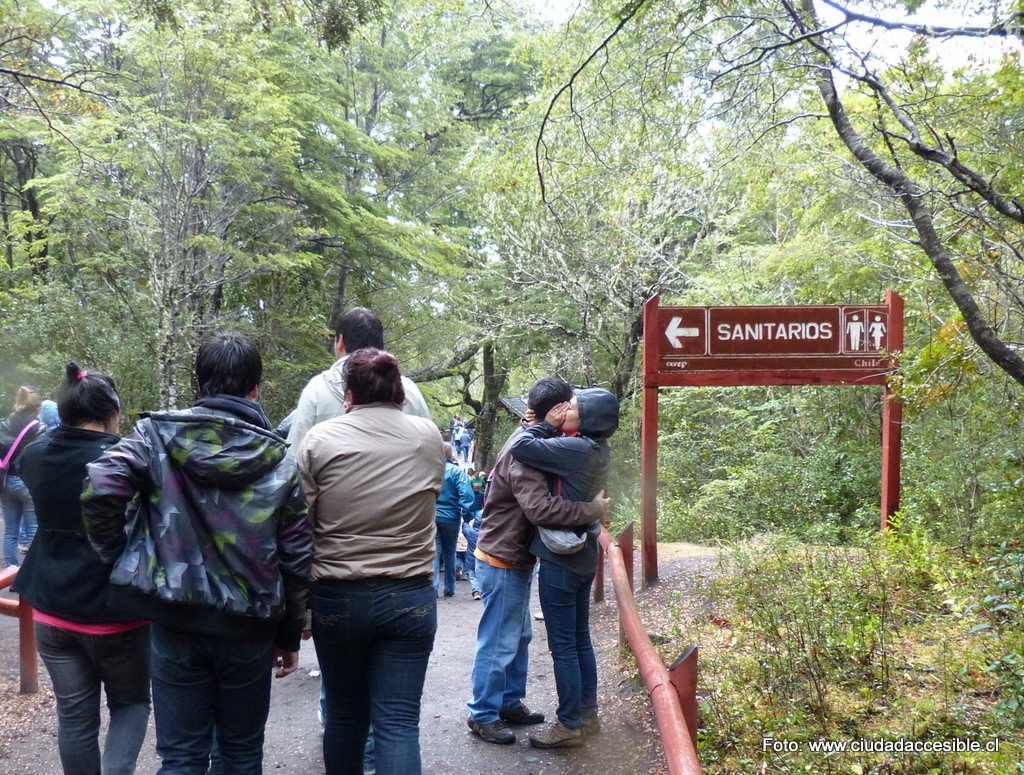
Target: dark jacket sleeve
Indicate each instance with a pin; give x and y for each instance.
(113, 481)
(295, 556)
(540, 446)
(543, 509)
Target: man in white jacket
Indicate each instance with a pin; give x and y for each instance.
(324, 396)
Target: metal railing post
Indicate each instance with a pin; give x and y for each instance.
(674, 727)
(28, 664)
(625, 544)
(599, 578)
(683, 675)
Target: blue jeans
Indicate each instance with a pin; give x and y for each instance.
(565, 601)
(201, 681)
(373, 640)
(369, 760)
(19, 511)
(444, 543)
(79, 665)
(502, 641)
(472, 534)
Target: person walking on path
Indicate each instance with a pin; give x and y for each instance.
(372, 477)
(202, 515)
(16, 431)
(571, 445)
(323, 398)
(85, 643)
(517, 500)
(454, 503)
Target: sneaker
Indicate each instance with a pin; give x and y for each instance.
(521, 715)
(477, 595)
(591, 725)
(557, 736)
(494, 732)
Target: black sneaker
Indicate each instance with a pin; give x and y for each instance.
(521, 715)
(494, 732)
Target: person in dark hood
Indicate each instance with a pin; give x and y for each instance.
(202, 515)
(571, 446)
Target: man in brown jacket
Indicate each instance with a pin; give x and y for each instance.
(517, 500)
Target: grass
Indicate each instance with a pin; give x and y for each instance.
(801, 643)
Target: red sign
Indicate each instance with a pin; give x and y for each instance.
(822, 345)
(713, 339)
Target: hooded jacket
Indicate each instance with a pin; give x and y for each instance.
(203, 517)
(577, 466)
(456, 501)
(517, 500)
(323, 398)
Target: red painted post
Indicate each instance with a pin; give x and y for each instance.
(599, 578)
(683, 675)
(892, 419)
(680, 750)
(649, 446)
(625, 544)
(29, 665)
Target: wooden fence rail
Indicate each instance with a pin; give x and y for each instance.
(673, 692)
(20, 609)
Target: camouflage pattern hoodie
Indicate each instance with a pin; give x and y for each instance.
(203, 517)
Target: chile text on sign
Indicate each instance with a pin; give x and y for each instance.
(843, 338)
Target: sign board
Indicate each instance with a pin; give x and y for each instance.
(845, 344)
(817, 344)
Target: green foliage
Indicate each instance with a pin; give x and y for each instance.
(1002, 611)
(868, 642)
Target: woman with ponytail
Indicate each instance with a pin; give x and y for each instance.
(16, 431)
(85, 644)
(371, 478)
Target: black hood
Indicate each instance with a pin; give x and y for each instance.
(599, 412)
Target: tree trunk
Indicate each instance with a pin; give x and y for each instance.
(913, 196)
(495, 380)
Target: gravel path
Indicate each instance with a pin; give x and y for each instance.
(627, 744)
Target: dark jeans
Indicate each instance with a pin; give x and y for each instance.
(565, 601)
(201, 681)
(444, 543)
(373, 640)
(78, 665)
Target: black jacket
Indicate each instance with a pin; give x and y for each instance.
(62, 575)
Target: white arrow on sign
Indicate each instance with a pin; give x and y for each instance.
(674, 332)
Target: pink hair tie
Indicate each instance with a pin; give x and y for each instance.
(82, 375)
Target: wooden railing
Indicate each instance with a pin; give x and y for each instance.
(673, 691)
(20, 608)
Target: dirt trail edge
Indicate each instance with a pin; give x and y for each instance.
(627, 744)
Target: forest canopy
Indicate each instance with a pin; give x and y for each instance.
(506, 191)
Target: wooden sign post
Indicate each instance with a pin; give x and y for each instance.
(849, 344)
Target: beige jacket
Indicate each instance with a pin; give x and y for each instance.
(371, 479)
(324, 398)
